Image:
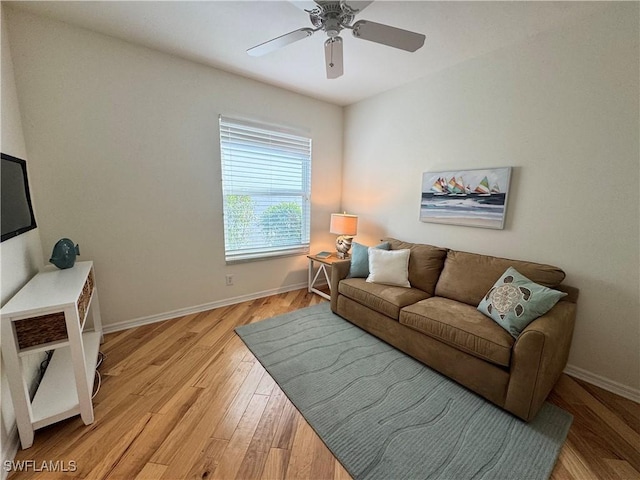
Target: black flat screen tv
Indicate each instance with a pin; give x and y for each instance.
(15, 201)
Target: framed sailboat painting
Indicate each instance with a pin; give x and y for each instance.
(473, 198)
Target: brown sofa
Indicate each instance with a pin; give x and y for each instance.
(436, 322)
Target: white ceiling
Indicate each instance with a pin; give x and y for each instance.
(217, 33)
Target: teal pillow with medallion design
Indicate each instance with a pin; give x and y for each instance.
(514, 301)
(360, 259)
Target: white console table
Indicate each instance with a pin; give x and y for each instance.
(50, 313)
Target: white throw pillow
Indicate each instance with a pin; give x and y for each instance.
(390, 267)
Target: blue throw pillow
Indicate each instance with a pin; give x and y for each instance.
(360, 259)
(514, 301)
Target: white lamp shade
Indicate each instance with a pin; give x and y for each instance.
(344, 224)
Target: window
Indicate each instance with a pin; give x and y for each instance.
(266, 185)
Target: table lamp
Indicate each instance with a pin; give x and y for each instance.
(346, 226)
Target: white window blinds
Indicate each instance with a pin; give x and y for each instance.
(266, 188)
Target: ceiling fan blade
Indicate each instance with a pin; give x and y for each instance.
(308, 5)
(333, 57)
(387, 35)
(279, 42)
(358, 5)
(305, 5)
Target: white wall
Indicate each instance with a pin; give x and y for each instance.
(563, 110)
(21, 256)
(124, 152)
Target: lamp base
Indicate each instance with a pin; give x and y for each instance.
(343, 245)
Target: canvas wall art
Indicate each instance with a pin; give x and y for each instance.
(474, 198)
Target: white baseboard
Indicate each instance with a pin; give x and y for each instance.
(605, 383)
(9, 449)
(160, 317)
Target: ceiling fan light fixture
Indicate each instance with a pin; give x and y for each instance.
(332, 27)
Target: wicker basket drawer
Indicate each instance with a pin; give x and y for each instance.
(85, 296)
(39, 330)
(51, 327)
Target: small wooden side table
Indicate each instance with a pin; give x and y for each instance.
(324, 263)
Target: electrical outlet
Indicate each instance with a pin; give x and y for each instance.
(228, 279)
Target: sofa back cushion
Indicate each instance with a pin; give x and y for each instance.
(425, 263)
(467, 277)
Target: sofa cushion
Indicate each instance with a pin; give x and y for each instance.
(467, 277)
(385, 299)
(461, 326)
(425, 263)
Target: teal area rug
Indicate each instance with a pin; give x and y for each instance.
(387, 416)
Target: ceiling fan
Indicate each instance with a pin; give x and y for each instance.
(333, 16)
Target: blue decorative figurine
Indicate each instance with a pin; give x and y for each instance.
(64, 253)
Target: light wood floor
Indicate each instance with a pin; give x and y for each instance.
(186, 399)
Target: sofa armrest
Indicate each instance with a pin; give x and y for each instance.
(339, 271)
(538, 358)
